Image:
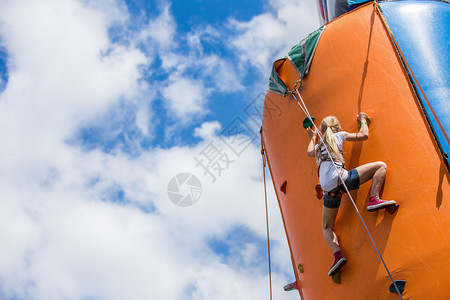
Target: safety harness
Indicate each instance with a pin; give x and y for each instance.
(339, 190)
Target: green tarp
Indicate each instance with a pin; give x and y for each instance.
(301, 56)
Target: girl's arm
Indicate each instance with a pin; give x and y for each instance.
(363, 133)
(312, 135)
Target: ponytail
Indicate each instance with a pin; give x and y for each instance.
(329, 126)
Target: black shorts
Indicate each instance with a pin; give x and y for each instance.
(352, 182)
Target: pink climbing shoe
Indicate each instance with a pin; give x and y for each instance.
(375, 203)
(339, 261)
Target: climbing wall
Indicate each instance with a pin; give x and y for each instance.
(356, 68)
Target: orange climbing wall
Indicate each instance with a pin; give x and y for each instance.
(355, 69)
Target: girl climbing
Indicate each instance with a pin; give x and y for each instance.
(331, 177)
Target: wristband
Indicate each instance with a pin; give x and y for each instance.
(363, 123)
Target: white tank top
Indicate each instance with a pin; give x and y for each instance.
(328, 176)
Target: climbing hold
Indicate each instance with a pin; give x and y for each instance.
(283, 187)
(392, 209)
(319, 191)
(307, 122)
(336, 277)
(400, 285)
(368, 122)
(300, 268)
(291, 286)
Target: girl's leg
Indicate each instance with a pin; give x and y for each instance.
(328, 219)
(375, 171)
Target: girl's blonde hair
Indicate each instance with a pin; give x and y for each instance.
(328, 127)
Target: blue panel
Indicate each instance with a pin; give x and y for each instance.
(422, 31)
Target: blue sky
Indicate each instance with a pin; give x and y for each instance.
(206, 22)
(102, 104)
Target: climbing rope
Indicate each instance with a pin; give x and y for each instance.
(263, 156)
(305, 110)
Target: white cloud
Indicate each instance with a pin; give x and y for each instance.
(161, 30)
(193, 74)
(63, 235)
(223, 76)
(200, 35)
(143, 120)
(271, 35)
(185, 98)
(76, 245)
(207, 130)
(57, 64)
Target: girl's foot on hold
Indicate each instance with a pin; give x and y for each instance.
(375, 203)
(339, 261)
